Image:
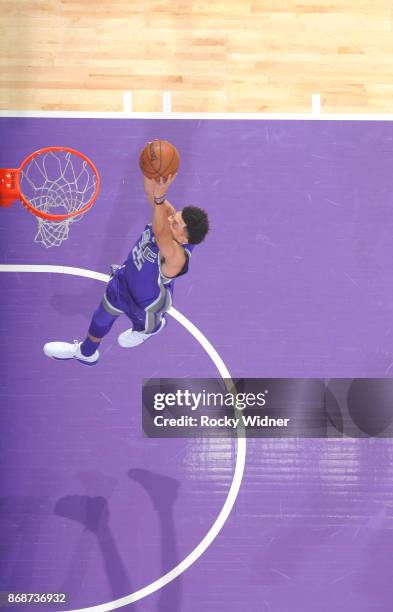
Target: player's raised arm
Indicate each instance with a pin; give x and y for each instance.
(150, 185)
(162, 208)
(170, 249)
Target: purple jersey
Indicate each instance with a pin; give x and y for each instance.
(143, 268)
(139, 287)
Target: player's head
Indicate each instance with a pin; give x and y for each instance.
(189, 225)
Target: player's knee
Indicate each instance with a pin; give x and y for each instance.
(101, 322)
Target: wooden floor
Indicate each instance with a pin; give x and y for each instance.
(213, 55)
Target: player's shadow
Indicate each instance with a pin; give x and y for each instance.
(162, 491)
(83, 508)
(93, 514)
(22, 520)
(27, 515)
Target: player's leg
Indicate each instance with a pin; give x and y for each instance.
(152, 322)
(87, 351)
(133, 337)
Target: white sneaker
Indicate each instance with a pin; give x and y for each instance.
(68, 350)
(130, 338)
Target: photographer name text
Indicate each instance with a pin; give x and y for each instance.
(226, 422)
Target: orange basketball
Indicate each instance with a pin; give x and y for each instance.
(159, 158)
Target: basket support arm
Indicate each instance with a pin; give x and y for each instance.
(9, 186)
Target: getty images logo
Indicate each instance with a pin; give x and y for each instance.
(207, 399)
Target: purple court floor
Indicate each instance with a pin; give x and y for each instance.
(295, 280)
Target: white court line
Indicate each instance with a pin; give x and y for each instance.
(240, 455)
(34, 114)
(316, 104)
(127, 102)
(166, 102)
(55, 270)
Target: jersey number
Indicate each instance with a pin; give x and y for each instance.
(142, 254)
(137, 255)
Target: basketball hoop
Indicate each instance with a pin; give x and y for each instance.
(57, 185)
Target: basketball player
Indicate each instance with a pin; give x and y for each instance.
(142, 287)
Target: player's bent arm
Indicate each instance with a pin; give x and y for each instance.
(160, 223)
(172, 253)
(170, 210)
(173, 257)
(167, 206)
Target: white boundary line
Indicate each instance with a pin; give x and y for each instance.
(32, 114)
(127, 102)
(240, 455)
(316, 104)
(166, 102)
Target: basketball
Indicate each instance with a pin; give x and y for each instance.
(159, 158)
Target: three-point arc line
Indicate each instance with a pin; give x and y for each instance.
(240, 455)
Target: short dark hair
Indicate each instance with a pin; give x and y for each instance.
(197, 223)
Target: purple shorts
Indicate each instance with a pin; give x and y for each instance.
(145, 316)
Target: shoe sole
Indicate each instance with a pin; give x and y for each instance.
(88, 363)
(164, 322)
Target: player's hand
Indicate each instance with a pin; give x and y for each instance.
(161, 185)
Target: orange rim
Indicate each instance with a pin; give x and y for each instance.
(49, 217)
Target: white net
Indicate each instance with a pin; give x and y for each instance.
(57, 183)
